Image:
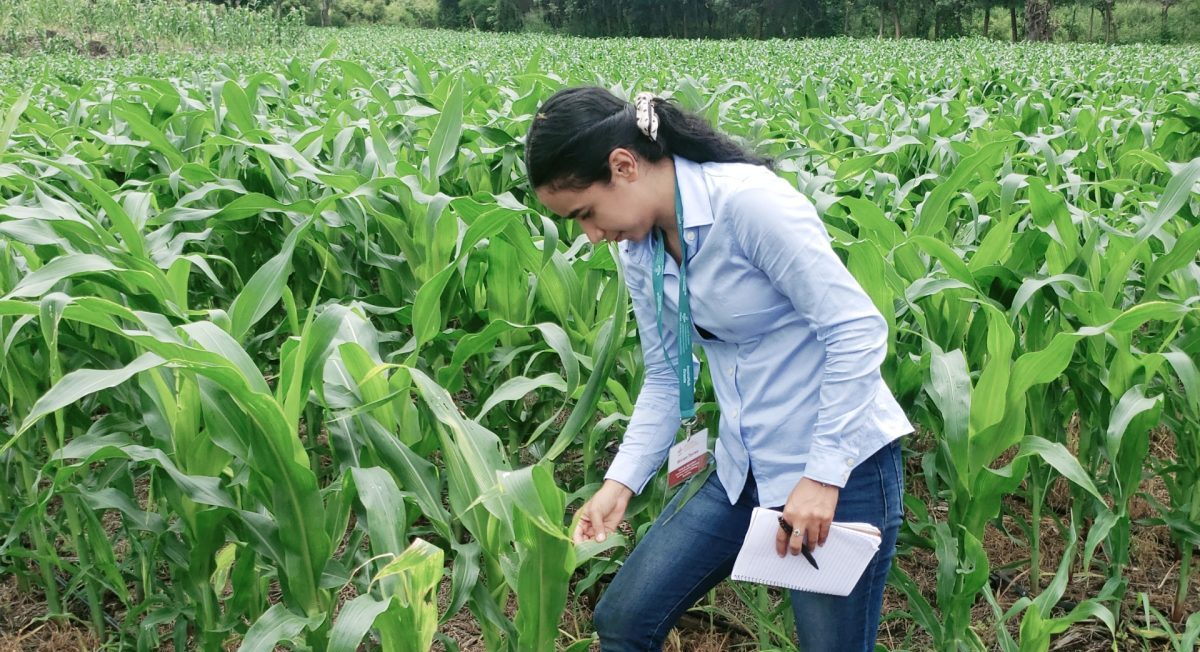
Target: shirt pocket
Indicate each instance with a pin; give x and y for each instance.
(759, 321)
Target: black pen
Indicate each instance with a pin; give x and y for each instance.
(787, 528)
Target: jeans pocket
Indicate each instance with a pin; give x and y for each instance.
(897, 455)
(885, 482)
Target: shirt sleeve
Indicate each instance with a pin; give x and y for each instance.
(779, 231)
(655, 418)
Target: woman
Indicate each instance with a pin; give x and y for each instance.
(794, 344)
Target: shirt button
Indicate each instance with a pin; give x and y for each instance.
(733, 413)
(730, 371)
(850, 462)
(691, 237)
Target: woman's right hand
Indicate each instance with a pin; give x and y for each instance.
(600, 515)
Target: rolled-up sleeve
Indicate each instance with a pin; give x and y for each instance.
(779, 232)
(655, 418)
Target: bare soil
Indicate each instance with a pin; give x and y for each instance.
(721, 623)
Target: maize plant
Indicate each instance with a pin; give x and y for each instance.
(292, 356)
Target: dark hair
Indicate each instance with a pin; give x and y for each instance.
(574, 131)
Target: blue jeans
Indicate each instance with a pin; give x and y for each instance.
(684, 556)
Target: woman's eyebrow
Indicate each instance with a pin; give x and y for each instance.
(573, 213)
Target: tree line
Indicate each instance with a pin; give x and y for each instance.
(1027, 19)
(1018, 20)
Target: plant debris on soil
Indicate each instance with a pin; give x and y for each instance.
(720, 624)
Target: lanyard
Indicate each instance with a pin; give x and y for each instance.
(687, 390)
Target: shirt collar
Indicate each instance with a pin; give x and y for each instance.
(697, 211)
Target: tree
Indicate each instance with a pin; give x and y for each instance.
(892, 8)
(1038, 24)
(947, 18)
(477, 14)
(448, 14)
(1012, 18)
(510, 14)
(1106, 13)
(1166, 4)
(1110, 25)
(988, 5)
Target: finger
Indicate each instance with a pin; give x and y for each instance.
(813, 534)
(824, 532)
(794, 542)
(581, 529)
(613, 520)
(781, 541)
(598, 529)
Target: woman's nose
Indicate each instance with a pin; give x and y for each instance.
(594, 234)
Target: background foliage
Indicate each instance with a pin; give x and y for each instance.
(289, 347)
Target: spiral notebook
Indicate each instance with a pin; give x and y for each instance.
(841, 561)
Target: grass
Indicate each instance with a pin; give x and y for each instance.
(121, 28)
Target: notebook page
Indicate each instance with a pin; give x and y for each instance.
(842, 559)
(865, 528)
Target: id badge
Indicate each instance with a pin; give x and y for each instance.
(687, 458)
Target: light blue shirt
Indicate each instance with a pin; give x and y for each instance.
(795, 365)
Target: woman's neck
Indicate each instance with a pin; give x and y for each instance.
(664, 178)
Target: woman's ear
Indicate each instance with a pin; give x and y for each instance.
(623, 164)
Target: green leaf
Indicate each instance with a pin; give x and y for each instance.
(443, 145)
(11, 118)
(533, 491)
(47, 276)
(608, 343)
(237, 107)
(427, 309)
(275, 625)
(547, 556)
(516, 388)
(417, 475)
(949, 386)
(989, 399)
(78, 384)
(1132, 319)
(1041, 367)
(1175, 195)
(354, 621)
(935, 211)
(1177, 257)
(96, 447)
(384, 505)
(265, 288)
(1133, 403)
(871, 219)
(212, 338)
(464, 577)
(139, 122)
(1057, 456)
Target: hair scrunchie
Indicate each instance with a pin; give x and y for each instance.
(647, 119)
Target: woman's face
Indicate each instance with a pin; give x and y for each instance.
(619, 210)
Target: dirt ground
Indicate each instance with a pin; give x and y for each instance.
(1156, 575)
(1154, 571)
(716, 626)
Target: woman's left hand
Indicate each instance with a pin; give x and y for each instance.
(809, 509)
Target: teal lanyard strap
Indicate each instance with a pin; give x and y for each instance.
(684, 370)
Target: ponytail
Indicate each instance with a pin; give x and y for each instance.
(577, 128)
